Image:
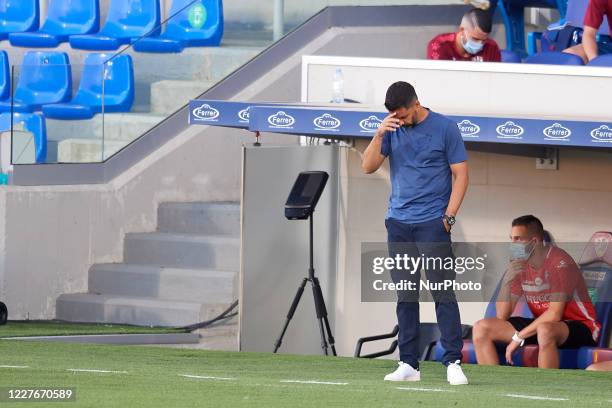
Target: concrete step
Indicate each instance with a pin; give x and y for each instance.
(86, 150)
(222, 335)
(128, 126)
(111, 126)
(92, 308)
(190, 285)
(169, 96)
(227, 328)
(201, 63)
(80, 141)
(183, 251)
(221, 218)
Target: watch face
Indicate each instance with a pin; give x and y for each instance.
(450, 220)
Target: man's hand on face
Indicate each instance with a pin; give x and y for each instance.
(515, 268)
(389, 124)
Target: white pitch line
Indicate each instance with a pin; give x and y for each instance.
(207, 377)
(13, 366)
(313, 382)
(83, 370)
(423, 389)
(535, 397)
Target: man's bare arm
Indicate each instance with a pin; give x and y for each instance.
(589, 42)
(372, 157)
(460, 185)
(553, 314)
(506, 301)
(505, 306)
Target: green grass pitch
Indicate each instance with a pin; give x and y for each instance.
(29, 328)
(154, 377)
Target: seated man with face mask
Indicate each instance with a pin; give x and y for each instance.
(470, 43)
(555, 292)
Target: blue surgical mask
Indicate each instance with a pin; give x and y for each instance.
(471, 46)
(520, 251)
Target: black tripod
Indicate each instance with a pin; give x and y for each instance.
(319, 302)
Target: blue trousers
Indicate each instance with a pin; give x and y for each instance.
(431, 240)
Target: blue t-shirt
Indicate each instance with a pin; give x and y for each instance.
(420, 159)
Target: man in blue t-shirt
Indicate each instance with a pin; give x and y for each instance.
(429, 178)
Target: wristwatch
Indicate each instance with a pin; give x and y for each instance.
(517, 339)
(450, 220)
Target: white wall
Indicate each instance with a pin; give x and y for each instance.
(471, 88)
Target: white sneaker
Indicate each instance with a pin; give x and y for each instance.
(481, 4)
(454, 374)
(404, 372)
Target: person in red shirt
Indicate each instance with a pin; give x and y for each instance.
(555, 292)
(470, 43)
(593, 19)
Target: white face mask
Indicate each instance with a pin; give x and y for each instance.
(520, 251)
(471, 46)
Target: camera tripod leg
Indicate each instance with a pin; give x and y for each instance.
(330, 337)
(322, 314)
(323, 340)
(294, 305)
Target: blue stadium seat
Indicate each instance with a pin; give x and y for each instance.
(469, 353)
(44, 78)
(596, 266)
(554, 58)
(596, 263)
(32, 122)
(601, 61)
(18, 17)
(569, 358)
(576, 9)
(195, 25)
(513, 15)
(510, 57)
(118, 89)
(127, 20)
(64, 18)
(565, 32)
(525, 357)
(5, 77)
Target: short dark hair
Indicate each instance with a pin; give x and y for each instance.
(480, 18)
(532, 223)
(399, 95)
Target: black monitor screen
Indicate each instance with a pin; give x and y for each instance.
(307, 188)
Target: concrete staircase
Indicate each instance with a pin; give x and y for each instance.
(183, 273)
